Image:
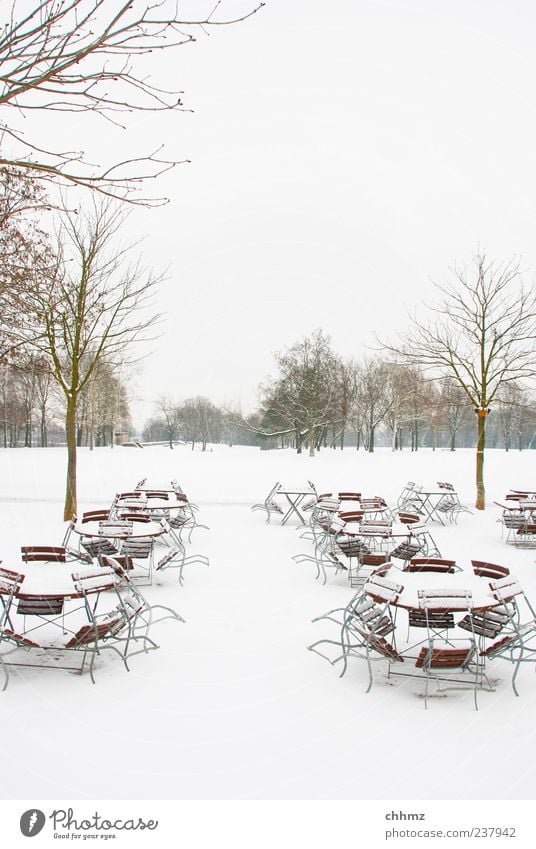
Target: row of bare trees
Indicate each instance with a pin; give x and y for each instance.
(32, 410)
(475, 347)
(196, 421)
(317, 399)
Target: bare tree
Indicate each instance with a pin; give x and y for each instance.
(89, 313)
(454, 408)
(374, 396)
(171, 418)
(90, 56)
(201, 421)
(482, 335)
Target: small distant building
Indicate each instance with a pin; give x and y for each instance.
(121, 437)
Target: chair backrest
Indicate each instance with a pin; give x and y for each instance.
(430, 619)
(445, 599)
(409, 518)
(506, 589)
(95, 516)
(370, 559)
(168, 558)
(43, 553)
(380, 571)
(380, 589)
(134, 517)
(430, 564)
(40, 605)
(273, 491)
(352, 515)
(349, 496)
(489, 570)
(10, 581)
(337, 525)
(100, 580)
(444, 658)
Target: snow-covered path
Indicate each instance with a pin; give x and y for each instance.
(232, 705)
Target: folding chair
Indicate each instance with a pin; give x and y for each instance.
(439, 665)
(139, 555)
(176, 558)
(10, 584)
(144, 612)
(364, 625)
(405, 495)
(269, 505)
(519, 645)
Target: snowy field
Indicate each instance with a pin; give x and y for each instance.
(232, 706)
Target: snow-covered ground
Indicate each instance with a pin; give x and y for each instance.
(232, 706)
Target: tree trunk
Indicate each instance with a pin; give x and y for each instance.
(371, 439)
(480, 447)
(453, 440)
(70, 432)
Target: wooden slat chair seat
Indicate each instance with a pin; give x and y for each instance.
(373, 617)
(368, 563)
(406, 550)
(487, 623)
(96, 546)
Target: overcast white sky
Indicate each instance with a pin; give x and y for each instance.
(342, 155)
